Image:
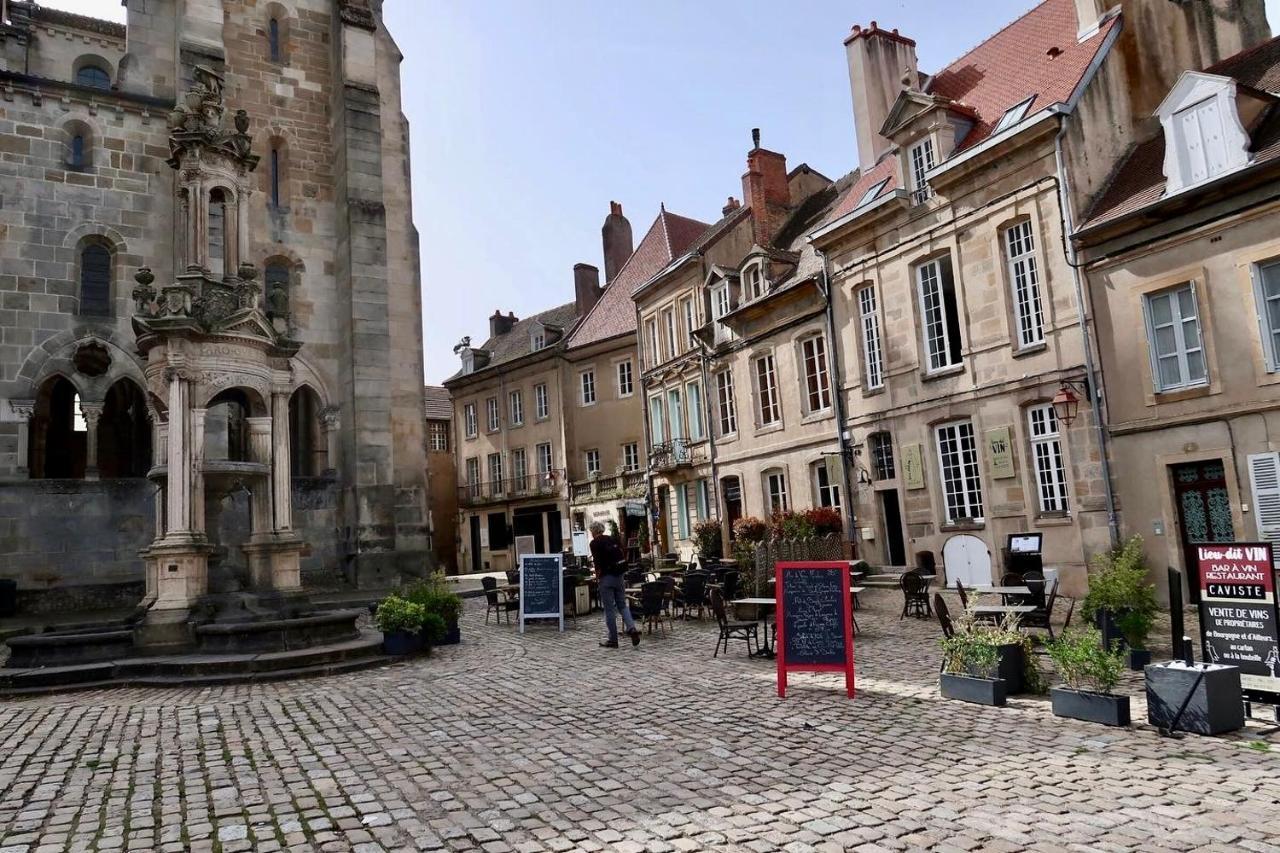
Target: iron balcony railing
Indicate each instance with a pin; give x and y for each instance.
(676, 454)
(627, 481)
(545, 484)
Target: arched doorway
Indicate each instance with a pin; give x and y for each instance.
(59, 434)
(226, 427)
(124, 433)
(308, 456)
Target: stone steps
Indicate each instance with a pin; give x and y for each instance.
(195, 670)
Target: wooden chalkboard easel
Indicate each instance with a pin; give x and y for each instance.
(541, 576)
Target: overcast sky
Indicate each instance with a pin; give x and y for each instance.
(529, 116)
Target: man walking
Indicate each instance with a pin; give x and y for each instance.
(606, 555)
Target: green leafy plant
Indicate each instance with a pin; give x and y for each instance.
(969, 654)
(706, 536)
(436, 596)
(399, 614)
(433, 628)
(1083, 663)
(1118, 584)
(971, 634)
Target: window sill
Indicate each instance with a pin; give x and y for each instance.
(586, 405)
(943, 373)
(539, 420)
(771, 428)
(961, 526)
(1062, 519)
(1020, 352)
(873, 392)
(515, 425)
(1183, 394)
(817, 417)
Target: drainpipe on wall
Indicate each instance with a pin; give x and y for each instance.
(837, 384)
(1095, 387)
(704, 356)
(650, 498)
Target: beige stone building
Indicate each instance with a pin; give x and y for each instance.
(1183, 265)
(442, 477)
(89, 197)
(958, 313)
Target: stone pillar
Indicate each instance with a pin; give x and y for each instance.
(92, 413)
(196, 438)
(160, 432)
(179, 496)
(24, 409)
(281, 480)
(260, 488)
(331, 423)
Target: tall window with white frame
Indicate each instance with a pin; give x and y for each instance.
(492, 419)
(469, 420)
(882, 464)
(825, 486)
(657, 421)
(1024, 276)
(537, 339)
(439, 432)
(726, 406)
(541, 405)
(495, 474)
(669, 343)
(515, 406)
(872, 350)
(1046, 451)
(752, 282)
(768, 410)
(921, 156)
(690, 324)
(652, 356)
(720, 304)
(519, 470)
(545, 461)
(593, 462)
(1173, 334)
(473, 476)
(1266, 285)
(693, 400)
(775, 490)
(939, 315)
(631, 456)
(626, 381)
(958, 464)
(588, 383)
(813, 352)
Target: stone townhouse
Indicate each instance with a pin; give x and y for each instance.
(606, 450)
(732, 340)
(1183, 263)
(959, 314)
(88, 198)
(442, 477)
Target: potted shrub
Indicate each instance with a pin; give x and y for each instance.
(706, 536)
(433, 631)
(969, 665)
(1090, 672)
(400, 622)
(437, 597)
(825, 521)
(1119, 592)
(1015, 664)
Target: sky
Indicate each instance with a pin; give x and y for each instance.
(528, 117)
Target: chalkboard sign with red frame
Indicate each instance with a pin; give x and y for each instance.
(814, 620)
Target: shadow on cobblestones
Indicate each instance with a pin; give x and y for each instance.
(548, 742)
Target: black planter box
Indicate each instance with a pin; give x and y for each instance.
(1012, 669)
(1216, 705)
(401, 642)
(1138, 659)
(452, 636)
(966, 688)
(1106, 708)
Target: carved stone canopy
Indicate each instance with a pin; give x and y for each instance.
(196, 123)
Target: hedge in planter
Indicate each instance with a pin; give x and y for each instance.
(1015, 661)
(968, 670)
(1118, 586)
(437, 597)
(1090, 672)
(400, 622)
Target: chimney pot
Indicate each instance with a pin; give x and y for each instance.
(586, 287)
(767, 192)
(730, 206)
(755, 137)
(615, 236)
(877, 68)
(500, 324)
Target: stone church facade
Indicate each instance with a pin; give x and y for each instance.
(88, 197)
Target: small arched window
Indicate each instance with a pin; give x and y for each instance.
(275, 176)
(75, 157)
(273, 40)
(95, 280)
(276, 279)
(93, 75)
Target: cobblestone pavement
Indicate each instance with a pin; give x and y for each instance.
(547, 742)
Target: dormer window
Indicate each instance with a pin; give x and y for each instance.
(920, 158)
(537, 340)
(1204, 134)
(1013, 115)
(872, 193)
(753, 282)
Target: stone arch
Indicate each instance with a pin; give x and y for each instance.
(276, 36)
(84, 63)
(57, 356)
(83, 126)
(282, 270)
(308, 449)
(226, 424)
(124, 431)
(57, 447)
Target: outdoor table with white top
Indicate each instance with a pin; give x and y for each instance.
(998, 590)
(763, 606)
(1003, 609)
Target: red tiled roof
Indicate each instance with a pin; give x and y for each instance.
(885, 170)
(1139, 179)
(615, 314)
(1018, 63)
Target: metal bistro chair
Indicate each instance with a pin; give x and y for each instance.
(1042, 617)
(497, 601)
(729, 584)
(915, 596)
(732, 629)
(944, 615)
(513, 576)
(653, 599)
(693, 593)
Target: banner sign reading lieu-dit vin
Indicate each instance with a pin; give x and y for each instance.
(1239, 621)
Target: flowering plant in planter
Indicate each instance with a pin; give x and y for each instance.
(707, 536)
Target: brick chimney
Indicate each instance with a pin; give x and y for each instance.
(765, 190)
(616, 237)
(730, 206)
(586, 287)
(500, 325)
(879, 60)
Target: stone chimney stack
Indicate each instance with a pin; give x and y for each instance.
(500, 325)
(730, 206)
(878, 62)
(765, 190)
(616, 237)
(586, 285)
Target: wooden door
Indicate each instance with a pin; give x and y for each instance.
(1204, 511)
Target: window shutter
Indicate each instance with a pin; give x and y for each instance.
(1264, 477)
(682, 512)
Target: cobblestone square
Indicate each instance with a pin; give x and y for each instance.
(548, 742)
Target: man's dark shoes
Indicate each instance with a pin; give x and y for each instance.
(635, 638)
(608, 644)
